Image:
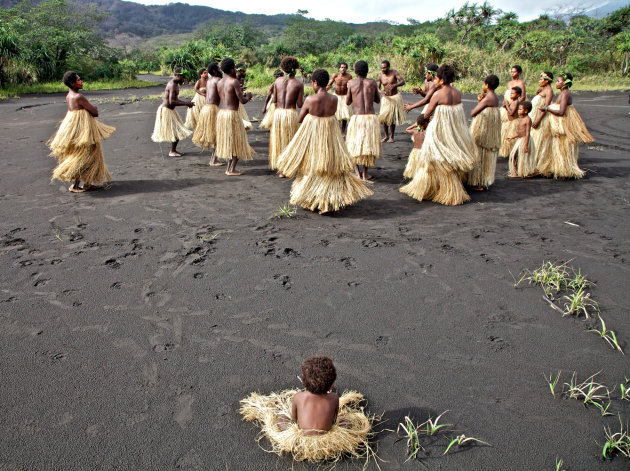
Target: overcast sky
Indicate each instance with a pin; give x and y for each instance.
(362, 11)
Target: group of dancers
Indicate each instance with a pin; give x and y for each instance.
(324, 146)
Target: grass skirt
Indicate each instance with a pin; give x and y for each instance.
(567, 133)
(344, 112)
(448, 152)
(363, 139)
(317, 157)
(283, 128)
(231, 137)
(348, 436)
(412, 163)
(542, 137)
(392, 110)
(486, 131)
(192, 115)
(522, 164)
(169, 126)
(508, 128)
(243, 114)
(268, 119)
(205, 135)
(77, 147)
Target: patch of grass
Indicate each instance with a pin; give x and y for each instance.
(552, 277)
(463, 440)
(15, 91)
(625, 391)
(587, 391)
(618, 442)
(208, 238)
(431, 427)
(410, 432)
(608, 335)
(603, 409)
(58, 235)
(286, 211)
(552, 382)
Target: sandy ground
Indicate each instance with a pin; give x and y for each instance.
(133, 320)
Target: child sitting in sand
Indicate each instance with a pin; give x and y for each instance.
(523, 157)
(313, 425)
(315, 409)
(417, 132)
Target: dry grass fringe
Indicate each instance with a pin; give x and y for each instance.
(344, 112)
(205, 135)
(169, 126)
(77, 147)
(486, 128)
(317, 149)
(542, 138)
(231, 137)
(413, 162)
(268, 119)
(283, 128)
(392, 110)
(363, 139)
(522, 164)
(484, 171)
(192, 114)
(349, 436)
(438, 183)
(567, 132)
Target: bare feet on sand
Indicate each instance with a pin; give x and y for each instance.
(75, 189)
(233, 173)
(174, 154)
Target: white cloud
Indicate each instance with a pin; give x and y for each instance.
(362, 11)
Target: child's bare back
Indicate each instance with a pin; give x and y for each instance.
(315, 409)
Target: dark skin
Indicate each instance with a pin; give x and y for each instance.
(340, 79)
(171, 100)
(427, 93)
(547, 93)
(322, 105)
(314, 413)
(517, 82)
(418, 136)
(389, 80)
(231, 94)
(212, 98)
(445, 94)
(564, 99)
(362, 93)
(289, 94)
(512, 107)
(523, 129)
(76, 101)
(487, 99)
(202, 83)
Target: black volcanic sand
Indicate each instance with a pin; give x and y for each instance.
(133, 320)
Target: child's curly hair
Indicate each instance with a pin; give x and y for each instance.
(318, 374)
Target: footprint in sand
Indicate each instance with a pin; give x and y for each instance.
(183, 413)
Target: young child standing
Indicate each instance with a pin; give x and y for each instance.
(315, 424)
(509, 113)
(523, 157)
(417, 131)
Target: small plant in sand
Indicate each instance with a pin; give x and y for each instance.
(625, 390)
(286, 211)
(410, 432)
(588, 391)
(431, 426)
(552, 382)
(603, 409)
(208, 238)
(550, 276)
(559, 464)
(58, 235)
(463, 440)
(618, 442)
(608, 335)
(578, 302)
